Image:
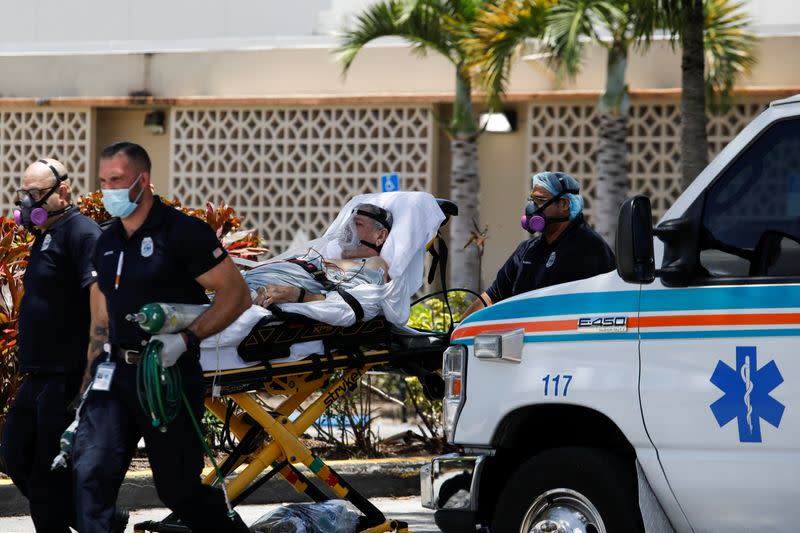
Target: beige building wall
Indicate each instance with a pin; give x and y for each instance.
(113, 125)
(504, 188)
(384, 74)
(390, 71)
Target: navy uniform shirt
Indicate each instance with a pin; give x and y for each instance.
(160, 262)
(578, 253)
(54, 313)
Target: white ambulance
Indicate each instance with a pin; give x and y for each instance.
(663, 396)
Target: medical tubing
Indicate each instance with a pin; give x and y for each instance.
(163, 406)
(351, 278)
(210, 455)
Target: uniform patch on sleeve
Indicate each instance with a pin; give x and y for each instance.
(217, 252)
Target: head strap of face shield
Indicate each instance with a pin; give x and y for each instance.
(382, 217)
(372, 245)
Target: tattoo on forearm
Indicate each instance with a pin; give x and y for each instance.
(98, 338)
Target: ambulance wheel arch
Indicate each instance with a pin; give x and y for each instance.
(538, 427)
(530, 431)
(589, 488)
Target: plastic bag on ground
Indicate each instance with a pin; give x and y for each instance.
(333, 516)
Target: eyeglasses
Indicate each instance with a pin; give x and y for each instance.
(538, 201)
(34, 194)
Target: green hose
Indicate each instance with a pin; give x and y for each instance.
(160, 391)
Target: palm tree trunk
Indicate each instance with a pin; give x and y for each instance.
(464, 188)
(465, 192)
(694, 138)
(612, 149)
(612, 174)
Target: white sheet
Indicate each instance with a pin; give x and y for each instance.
(219, 352)
(416, 216)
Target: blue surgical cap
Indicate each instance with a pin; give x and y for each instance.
(550, 181)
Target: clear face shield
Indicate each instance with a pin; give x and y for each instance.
(348, 238)
(356, 231)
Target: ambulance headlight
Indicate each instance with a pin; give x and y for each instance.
(500, 345)
(453, 363)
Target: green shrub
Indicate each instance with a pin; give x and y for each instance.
(432, 314)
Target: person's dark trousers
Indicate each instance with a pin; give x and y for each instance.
(111, 424)
(30, 442)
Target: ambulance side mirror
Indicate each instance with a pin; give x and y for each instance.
(634, 243)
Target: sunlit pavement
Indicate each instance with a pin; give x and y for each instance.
(406, 509)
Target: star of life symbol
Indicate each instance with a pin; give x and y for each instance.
(746, 397)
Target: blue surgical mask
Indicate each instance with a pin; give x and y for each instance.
(117, 201)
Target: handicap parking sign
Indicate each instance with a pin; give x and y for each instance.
(390, 183)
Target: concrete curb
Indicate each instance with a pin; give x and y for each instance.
(373, 478)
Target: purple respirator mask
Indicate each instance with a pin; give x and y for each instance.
(534, 220)
(30, 213)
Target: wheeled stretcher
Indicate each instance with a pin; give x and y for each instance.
(268, 439)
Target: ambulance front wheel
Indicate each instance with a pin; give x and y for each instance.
(570, 489)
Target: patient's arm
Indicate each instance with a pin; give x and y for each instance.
(282, 294)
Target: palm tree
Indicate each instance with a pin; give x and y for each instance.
(617, 25)
(439, 26)
(571, 25)
(716, 47)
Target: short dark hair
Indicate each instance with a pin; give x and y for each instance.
(135, 153)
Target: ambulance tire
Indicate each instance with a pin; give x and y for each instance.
(604, 480)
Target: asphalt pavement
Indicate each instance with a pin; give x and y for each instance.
(407, 509)
(392, 484)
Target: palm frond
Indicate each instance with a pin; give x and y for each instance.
(421, 26)
(407, 8)
(469, 10)
(729, 49)
(496, 37)
(571, 24)
(652, 15)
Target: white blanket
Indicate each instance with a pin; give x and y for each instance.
(416, 216)
(219, 352)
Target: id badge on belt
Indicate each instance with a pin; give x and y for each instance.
(103, 376)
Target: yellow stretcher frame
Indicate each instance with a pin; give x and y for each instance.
(277, 455)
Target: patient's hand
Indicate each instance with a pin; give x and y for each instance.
(276, 294)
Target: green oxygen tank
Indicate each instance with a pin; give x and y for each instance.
(155, 318)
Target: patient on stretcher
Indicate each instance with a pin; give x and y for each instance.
(388, 231)
(309, 277)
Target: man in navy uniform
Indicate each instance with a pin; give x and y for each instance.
(53, 339)
(151, 253)
(564, 249)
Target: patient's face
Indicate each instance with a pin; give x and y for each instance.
(366, 231)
